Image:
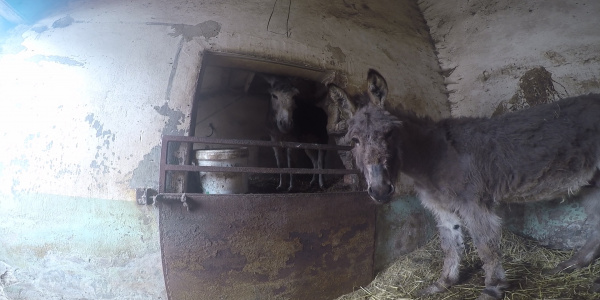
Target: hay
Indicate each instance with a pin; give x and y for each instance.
(524, 262)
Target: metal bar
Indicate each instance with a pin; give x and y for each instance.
(165, 167)
(179, 197)
(257, 170)
(236, 142)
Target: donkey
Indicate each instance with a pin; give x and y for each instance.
(340, 107)
(289, 120)
(463, 168)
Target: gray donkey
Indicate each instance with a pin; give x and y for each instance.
(463, 168)
(289, 120)
(340, 107)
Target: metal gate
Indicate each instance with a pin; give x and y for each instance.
(263, 246)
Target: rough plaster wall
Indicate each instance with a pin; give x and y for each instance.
(59, 247)
(352, 36)
(87, 92)
(486, 46)
(485, 49)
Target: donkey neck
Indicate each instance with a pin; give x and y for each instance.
(271, 120)
(421, 146)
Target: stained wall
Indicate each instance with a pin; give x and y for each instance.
(88, 88)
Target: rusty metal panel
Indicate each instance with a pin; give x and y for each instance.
(274, 246)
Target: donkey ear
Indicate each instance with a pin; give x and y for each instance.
(268, 78)
(341, 100)
(295, 91)
(377, 88)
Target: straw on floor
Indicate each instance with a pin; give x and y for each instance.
(524, 261)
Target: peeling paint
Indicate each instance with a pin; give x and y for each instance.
(207, 29)
(56, 59)
(39, 29)
(21, 162)
(100, 166)
(146, 173)
(175, 119)
(337, 55)
(102, 153)
(100, 132)
(63, 22)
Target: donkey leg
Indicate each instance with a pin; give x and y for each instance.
(289, 165)
(320, 167)
(314, 159)
(279, 160)
(451, 242)
(485, 228)
(590, 199)
(586, 255)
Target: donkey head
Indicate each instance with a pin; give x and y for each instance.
(340, 107)
(374, 134)
(282, 101)
(372, 131)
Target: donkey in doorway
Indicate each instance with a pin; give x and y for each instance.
(289, 120)
(462, 168)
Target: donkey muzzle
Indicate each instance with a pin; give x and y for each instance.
(380, 188)
(285, 126)
(382, 196)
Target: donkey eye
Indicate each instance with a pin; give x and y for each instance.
(388, 135)
(355, 141)
(274, 97)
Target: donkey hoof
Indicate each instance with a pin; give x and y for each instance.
(491, 293)
(432, 289)
(313, 184)
(487, 297)
(595, 288)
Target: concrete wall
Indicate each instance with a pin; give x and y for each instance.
(505, 55)
(485, 47)
(87, 92)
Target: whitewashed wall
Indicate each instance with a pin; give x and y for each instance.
(88, 90)
(485, 47)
